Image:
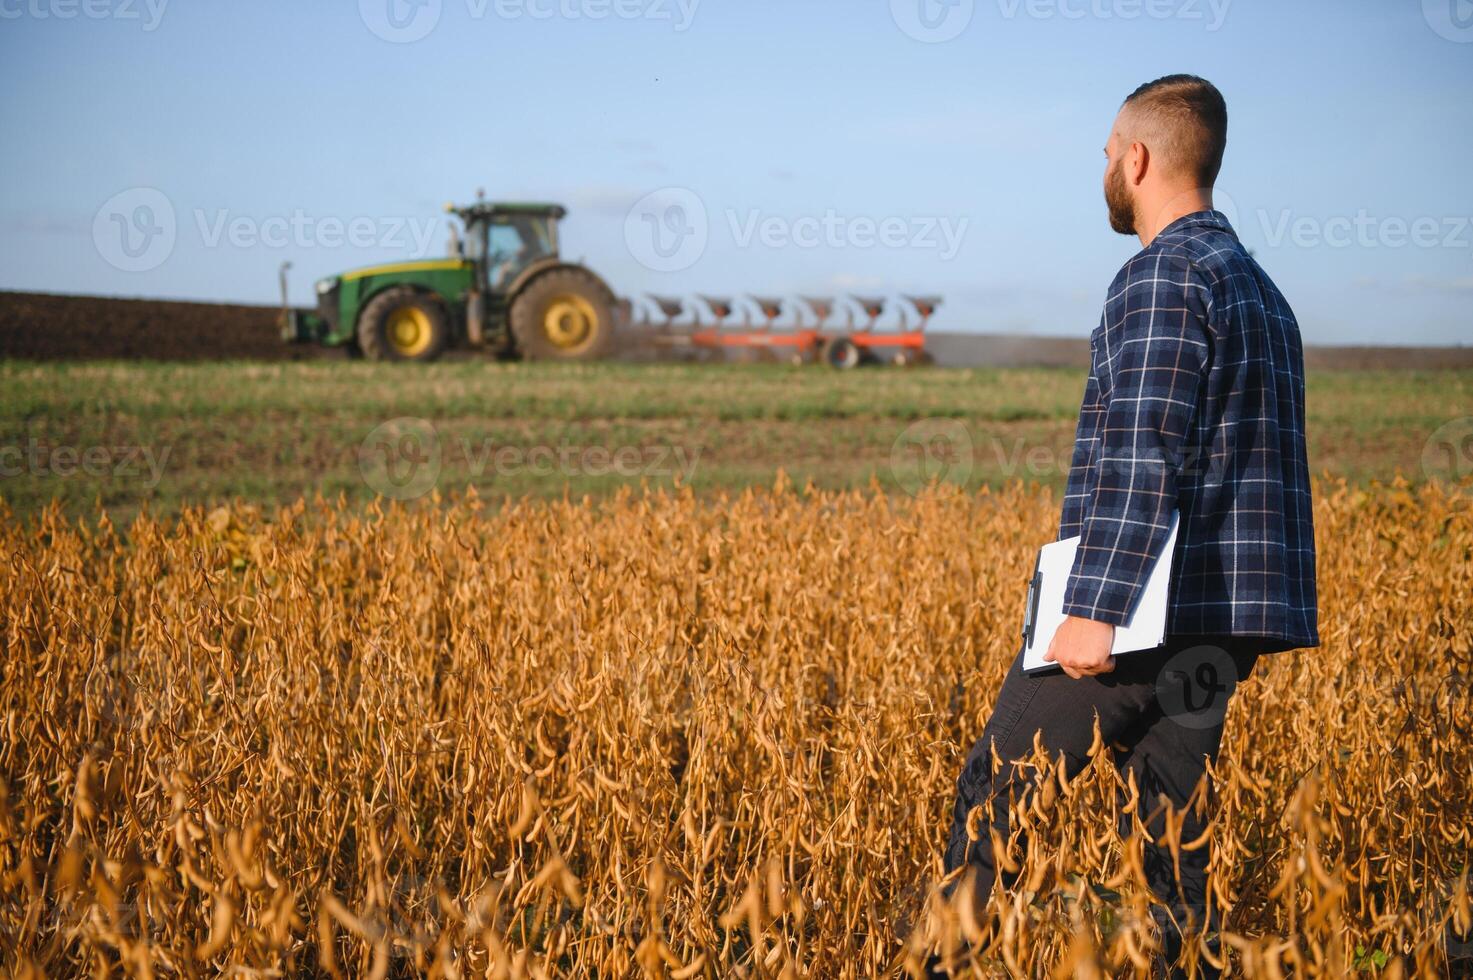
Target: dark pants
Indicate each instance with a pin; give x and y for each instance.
(1163, 711)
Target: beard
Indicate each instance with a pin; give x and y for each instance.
(1119, 201)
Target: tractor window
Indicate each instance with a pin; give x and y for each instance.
(516, 243)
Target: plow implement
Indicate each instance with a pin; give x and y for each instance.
(840, 334)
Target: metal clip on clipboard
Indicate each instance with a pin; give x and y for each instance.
(1030, 606)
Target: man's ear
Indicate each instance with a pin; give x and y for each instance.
(1137, 162)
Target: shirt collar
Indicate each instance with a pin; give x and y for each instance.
(1200, 219)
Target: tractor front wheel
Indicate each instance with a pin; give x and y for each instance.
(564, 315)
(401, 324)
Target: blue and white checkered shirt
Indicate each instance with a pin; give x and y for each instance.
(1195, 401)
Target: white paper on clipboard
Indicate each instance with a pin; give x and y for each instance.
(1146, 629)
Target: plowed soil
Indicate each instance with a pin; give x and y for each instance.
(41, 326)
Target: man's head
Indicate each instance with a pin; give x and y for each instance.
(1164, 152)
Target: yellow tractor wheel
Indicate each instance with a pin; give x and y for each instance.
(403, 324)
(569, 322)
(565, 314)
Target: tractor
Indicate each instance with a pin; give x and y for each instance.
(504, 288)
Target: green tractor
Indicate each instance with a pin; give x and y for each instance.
(505, 289)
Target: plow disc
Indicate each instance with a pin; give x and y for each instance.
(813, 329)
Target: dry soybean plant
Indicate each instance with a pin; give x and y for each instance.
(677, 736)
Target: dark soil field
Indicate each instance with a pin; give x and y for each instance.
(45, 327)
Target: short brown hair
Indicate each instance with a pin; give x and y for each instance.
(1186, 118)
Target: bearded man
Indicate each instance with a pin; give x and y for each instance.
(1194, 405)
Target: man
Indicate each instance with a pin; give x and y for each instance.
(1194, 403)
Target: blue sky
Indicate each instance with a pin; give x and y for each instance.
(823, 146)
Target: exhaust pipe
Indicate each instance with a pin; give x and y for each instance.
(281, 277)
(287, 322)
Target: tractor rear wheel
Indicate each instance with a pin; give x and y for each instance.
(564, 315)
(841, 353)
(401, 324)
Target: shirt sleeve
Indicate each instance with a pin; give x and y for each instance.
(1157, 356)
(1076, 489)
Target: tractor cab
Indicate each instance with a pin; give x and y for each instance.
(505, 240)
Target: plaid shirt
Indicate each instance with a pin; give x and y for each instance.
(1195, 401)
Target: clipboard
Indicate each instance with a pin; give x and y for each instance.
(1043, 611)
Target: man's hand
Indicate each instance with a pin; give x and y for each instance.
(1082, 647)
